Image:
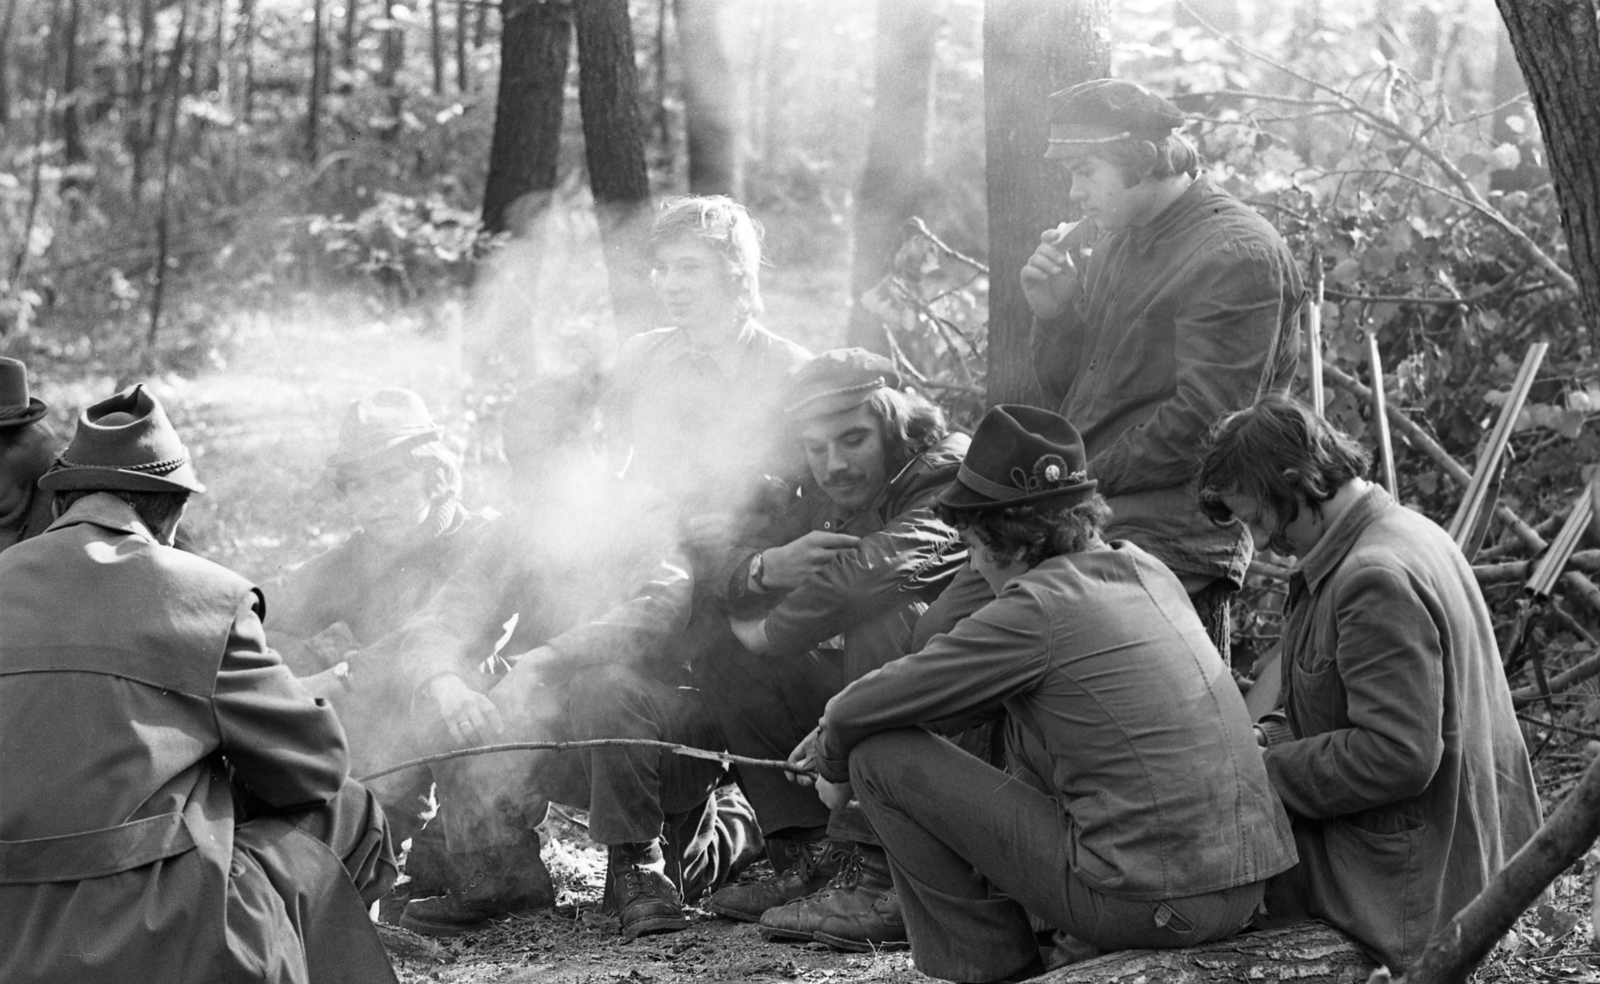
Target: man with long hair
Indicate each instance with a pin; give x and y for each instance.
(877, 457)
(1396, 750)
(1169, 305)
(1135, 811)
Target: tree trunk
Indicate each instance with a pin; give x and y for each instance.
(1309, 954)
(894, 179)
(139, 135)
(247, 29)
(613, 139)
(436, 43)
(347, 53)
(535, 44)
(5, 62)
(1558, 45)
(164, 216)
(1031, 48)
(394, 59)
(71, 125)
(319, 63)
(463, 69)
(708, 99)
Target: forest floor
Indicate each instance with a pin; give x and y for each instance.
(260, 411)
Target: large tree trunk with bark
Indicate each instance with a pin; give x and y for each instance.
(1031, 48)
(535, 45)
(613, 139)
(71, 121)
(1558, 46)
(1308, 954)
(708, 94)
(894, 180)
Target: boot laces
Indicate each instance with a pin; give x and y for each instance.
(849, 872)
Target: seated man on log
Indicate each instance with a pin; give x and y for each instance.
(176, 807)
(592, 573)
(855, 562)
(28, 446)
(1396, 749)
(334, 618)
(1136, 811)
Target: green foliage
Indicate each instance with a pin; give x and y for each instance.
(411, 246)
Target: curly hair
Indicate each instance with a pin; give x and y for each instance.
(1281, 454)
(725, 226)
(1039, 530)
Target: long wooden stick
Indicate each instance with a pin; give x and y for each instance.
(1562, 548)
(1380, 414)
(565, 746)
(1459, 945)
(1319, 399)
(1477, 490)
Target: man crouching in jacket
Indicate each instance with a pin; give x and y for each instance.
(177, 807)
(837, 596)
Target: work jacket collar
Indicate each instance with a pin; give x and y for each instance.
(107, 511)
(1193, 197)
(1330, 551)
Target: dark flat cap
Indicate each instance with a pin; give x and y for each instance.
(836, 381)
(1101, 111)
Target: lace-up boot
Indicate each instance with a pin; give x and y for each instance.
(815, 864)
(640, 893)
(858, 910)
(495, 882)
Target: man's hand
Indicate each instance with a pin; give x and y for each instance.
(710, 531)
(471, 717)
(834, 795)
(1050, 277)
(804, 758)
(788, 565)
(751, 633)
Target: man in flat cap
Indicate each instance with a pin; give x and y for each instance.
(1169, 305)
(27, 448)
(177, 807)
(860, 560)
(335, 618)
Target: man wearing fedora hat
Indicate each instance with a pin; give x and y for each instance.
(859, 557)
(191, 818)
(27, 448)
(1169, 305)
(334, 618)
(1136, 811)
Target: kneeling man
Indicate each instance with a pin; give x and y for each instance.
(177, 807)
(1138, 814)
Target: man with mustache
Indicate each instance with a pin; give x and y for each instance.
(877, 457)
(1169, 305)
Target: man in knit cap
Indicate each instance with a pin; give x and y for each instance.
(1169, 305)
(192, 817)
(27, 447)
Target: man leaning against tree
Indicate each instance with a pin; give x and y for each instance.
(1169, 305)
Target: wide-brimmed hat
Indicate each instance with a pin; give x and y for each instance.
(836, 381)
(125, 442)
(17, 408)
(1021, 455)
(1092, 114)
(380, 422)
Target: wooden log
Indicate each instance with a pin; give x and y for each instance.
(1312, 953)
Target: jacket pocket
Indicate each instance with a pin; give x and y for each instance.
(1142, 364)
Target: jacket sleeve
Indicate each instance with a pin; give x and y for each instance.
(1390, 661)
(285, 746)
(914, 552)
(655, 612)
(1235, 304)
(997, 652)
(437, 640)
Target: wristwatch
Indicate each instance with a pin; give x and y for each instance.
(758, 567)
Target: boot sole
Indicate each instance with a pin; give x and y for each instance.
(859, 946)
(734, 913)
(439, 929)
(775, 934)
(655, 925)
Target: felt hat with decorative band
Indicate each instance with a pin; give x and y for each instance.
(124, 442)
(1021, 455)
(382, 421)
(836, 381)
(1092, 114)
(17, 408)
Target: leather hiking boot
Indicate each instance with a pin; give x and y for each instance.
(815, 864)
(496, 882)
(641, 894)
(858, 910)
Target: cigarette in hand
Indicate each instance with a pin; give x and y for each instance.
(1060, 232)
